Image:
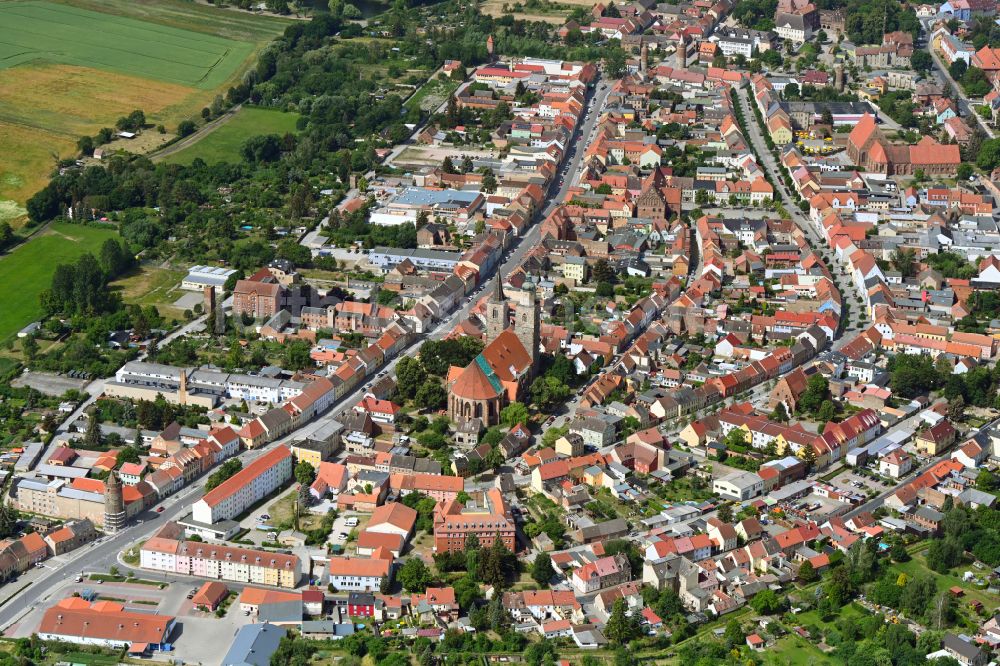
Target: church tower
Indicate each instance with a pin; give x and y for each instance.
(526, 326)
(497, 312)
(114, 504)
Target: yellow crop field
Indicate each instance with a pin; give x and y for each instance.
(49, 96)
(28, 159)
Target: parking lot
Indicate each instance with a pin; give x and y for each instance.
(851, 480)
(342, 527)
(203, 638)
(261, 516)
(49, 383)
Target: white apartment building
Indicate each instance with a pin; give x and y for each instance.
(228, 440)
(358, 575)
(140, 376)
(244, 489)
(739, 486)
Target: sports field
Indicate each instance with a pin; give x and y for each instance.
(27, 271)
(223, 144)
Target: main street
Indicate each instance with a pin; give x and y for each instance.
(558, 191)
(848, 291)
(102, 554)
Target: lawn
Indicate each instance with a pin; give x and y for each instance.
(26, 162)
(89, 659)
(224, 143)
(917, 566)
(12, 213)
(793, 650)
(283, 516)
(432, 94)
(553, 12)
(682, 490)
(109, 578)
(812, 617)
(27, 271)
(187, 15)
(151, 285)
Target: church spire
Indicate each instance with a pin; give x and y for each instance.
(497, 312)
(498, 296)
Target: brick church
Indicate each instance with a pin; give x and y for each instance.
(869, 150)
(503, 370)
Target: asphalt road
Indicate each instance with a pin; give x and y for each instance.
(97, 556)
(941, 73)
(96, 387)
(557, 195)
(849, 293)
(102, 554)
(876, 502)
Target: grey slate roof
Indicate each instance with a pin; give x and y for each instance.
(253, 646)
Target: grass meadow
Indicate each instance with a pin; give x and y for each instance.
(40, 30)
(223, 144)
(28, 269)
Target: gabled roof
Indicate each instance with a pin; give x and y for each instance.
(75, 617)
(396, 514)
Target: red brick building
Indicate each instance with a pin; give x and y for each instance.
(489, 518)
(259, 299)
(868, 149)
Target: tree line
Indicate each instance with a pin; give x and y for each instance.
(81, 288)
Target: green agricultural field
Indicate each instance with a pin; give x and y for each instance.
(169, 58)
(36, 30)
(187, 15)
(27, 271)
(223, 144)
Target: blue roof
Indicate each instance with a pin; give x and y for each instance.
(254, 644)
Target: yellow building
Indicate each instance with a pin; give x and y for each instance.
(311, 451)
(569, 445)
(575, 268)
(779, 126)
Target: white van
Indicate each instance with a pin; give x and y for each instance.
(351, 522)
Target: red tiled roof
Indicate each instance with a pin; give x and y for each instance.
(259, 466)
(104, 620)
(358, 567)
(396, 514)
(376, 540)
